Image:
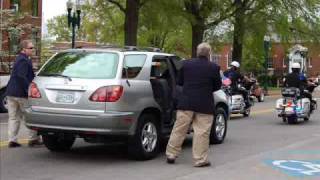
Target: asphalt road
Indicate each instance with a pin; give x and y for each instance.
(257, 147)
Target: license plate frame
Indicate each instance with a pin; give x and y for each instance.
(65, 97)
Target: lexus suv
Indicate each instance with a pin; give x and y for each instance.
(108, 94)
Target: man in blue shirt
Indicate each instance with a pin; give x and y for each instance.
(17, 93)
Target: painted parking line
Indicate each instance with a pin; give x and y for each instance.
(5, 143)
(262, 111)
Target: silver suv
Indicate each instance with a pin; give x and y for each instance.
(108, 94)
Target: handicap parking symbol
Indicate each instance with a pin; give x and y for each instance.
(297, 168)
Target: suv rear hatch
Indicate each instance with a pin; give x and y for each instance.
(69, 82)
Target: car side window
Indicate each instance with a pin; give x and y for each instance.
(132, 65)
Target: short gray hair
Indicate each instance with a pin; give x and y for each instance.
(24, 44)
(204, 49)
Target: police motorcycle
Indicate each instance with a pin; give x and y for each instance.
(293, 106)
(236, 99)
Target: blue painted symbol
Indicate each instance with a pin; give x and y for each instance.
(297, 168)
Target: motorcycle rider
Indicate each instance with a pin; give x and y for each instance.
(236, 77)
(298, 80)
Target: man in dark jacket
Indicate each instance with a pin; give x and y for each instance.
(298, 80)
(236, 77)
(199, 78)
(17, 93)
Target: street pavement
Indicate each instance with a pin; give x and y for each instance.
(256, 147)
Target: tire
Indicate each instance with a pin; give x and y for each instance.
(247, 112)
(3, 102)
(219, 127)
(144, 144)
(284, 119)
(292, 120)
(58, 143)
(261, 97)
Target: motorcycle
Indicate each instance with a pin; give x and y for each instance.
(236, 99)
(293, 106)
(257, 91)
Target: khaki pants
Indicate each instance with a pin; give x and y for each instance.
(201, 124)
(16, 116)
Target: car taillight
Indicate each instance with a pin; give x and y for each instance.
(34, 91)
(107, 94)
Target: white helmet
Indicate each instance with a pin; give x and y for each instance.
(296, 66)
(235, 64)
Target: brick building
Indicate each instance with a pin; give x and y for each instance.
(20, 19)
(278, 61)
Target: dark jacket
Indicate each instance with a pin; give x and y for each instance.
(234, 76)
(296, 80)
(21, 77)
(199, 78)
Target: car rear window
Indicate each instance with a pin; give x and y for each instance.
(90, 65)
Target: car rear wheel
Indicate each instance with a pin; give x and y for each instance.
(58, 143)
(144, 144)
(219, 127)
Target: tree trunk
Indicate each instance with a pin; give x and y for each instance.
(238, 35)
(131, 22)
(197, 35)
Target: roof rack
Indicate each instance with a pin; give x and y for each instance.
(125, 48)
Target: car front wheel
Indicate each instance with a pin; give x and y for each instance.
(3, 102)
(219, 127)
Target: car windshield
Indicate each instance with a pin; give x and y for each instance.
(89, 65)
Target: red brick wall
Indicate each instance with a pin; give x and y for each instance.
(279, 55)
(28, 19)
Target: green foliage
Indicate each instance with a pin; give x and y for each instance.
(169, 24)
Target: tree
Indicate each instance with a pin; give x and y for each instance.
(289, 19)
(131, 11)
(205, 15)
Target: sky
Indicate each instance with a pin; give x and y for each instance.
(51, 8)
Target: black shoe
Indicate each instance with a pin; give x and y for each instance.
(171, 160)
(203, 164)
(13, 144)
(34, 143)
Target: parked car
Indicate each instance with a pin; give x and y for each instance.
(109, 94)
(3, 100)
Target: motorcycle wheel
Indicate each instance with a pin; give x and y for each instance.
(284, 119)
(246, 113)
(261, 97)
(292, 120)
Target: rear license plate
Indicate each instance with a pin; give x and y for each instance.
(289, 110)
(65, 97)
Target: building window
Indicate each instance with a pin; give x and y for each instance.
(270, 63)
(15, 4)
(14, 37)
(35, 4)
(216, 58)
(35, 40)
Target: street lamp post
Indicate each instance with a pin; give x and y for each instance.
(266, 44)
(73, 18)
